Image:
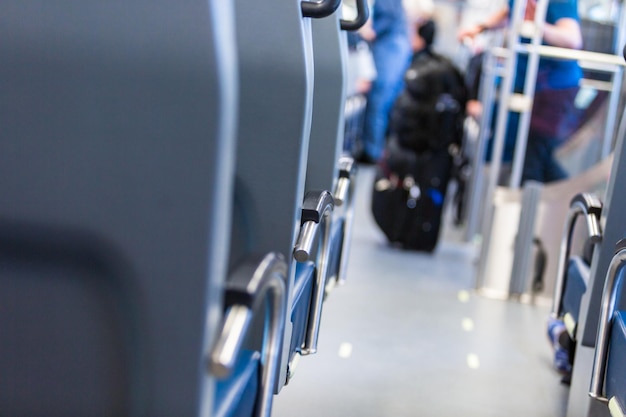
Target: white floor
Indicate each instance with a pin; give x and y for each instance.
(407, 336)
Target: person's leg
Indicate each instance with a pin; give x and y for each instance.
(553, 170)
(535, 159)
(391, 57)
(539, 162)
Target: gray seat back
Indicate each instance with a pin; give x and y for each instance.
(115, 164)
(276, 86)
(327, 129)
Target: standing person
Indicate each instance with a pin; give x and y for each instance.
(387, 33)
(554, 115)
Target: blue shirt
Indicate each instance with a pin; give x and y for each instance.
(552, 73)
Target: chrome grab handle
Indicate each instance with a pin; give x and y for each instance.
(347, 168)
(591, 207)
(319, 9)
(316, 206)
(246, 289)
(363, 13)
(609, 298)
(224, 355)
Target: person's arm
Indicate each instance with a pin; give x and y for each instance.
(565, 33)
(367, 31)
(497, 20)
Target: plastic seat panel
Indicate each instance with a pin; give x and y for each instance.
(336, 247)
(615, 385)
(303, 287)
(235, 396)
(575, 286)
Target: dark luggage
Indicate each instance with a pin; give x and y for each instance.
(426, 131)
(429, 113)
(408, 195)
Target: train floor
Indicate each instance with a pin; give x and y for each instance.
(407, 336)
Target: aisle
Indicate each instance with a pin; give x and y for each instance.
(407, 337)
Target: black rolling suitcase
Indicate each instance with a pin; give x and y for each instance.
(409, 194)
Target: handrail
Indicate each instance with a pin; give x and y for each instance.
(363, 13)
(610, 60)
(591, 207)
(247, 287)
(609, 298)
(319, 9)
(596, 61)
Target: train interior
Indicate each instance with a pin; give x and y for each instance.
(184, 231)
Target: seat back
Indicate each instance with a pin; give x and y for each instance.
(327, 128)
(276, 86)
(274, 121)
(118, 121)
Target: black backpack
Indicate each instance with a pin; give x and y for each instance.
(429, 113)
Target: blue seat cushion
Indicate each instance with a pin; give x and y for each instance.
(303, 287)
(336, 247)
(236, 396)
(615, 385)
(575, 286)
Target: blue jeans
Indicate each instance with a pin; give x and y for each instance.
(539, 162)
(392, 56)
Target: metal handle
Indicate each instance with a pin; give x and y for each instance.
(315, 213)
(344, 196)
(315, 207)
(347, 169)
(609, 298)
(319, 9)
(363, 13)
(246, 289)
(591, 207)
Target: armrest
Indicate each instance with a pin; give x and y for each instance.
(246, 289)
(582, 204)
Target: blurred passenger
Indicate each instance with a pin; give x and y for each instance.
(562, 345)
(473, 74)
(554, 115)
(387, 34)
(422, 37)
(361, 71)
